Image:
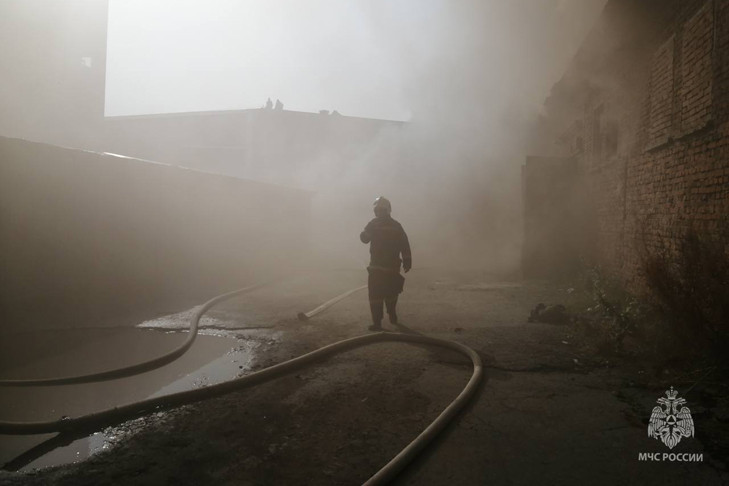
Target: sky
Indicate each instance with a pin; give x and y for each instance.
(386, 59)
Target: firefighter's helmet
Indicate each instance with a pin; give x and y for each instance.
(381, 204)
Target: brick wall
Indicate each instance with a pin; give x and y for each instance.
(695, 96)
(661, 94)
(661, 90)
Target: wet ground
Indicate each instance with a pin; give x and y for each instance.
(213, 359)
(546, 413)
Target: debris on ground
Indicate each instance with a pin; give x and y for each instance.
(549, 314)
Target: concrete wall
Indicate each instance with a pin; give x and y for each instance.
(644, 110)
(87, 236)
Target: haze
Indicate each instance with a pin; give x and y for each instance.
(467, 78)
(380, 59)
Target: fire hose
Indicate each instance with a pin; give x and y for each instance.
(98, 420)
(144, 366)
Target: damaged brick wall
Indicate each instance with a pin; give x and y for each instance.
(651, 88)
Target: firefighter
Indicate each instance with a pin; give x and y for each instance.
(388, 242)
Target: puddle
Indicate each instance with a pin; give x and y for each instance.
(212, 359)
(181, 320)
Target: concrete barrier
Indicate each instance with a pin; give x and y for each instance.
(95, 239)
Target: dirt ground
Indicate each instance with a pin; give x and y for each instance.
(547, 412)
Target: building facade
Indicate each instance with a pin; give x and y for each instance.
(642, 117)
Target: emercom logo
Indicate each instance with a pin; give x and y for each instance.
(670, 422)
(670, 457)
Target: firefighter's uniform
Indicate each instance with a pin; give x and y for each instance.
(388, 242)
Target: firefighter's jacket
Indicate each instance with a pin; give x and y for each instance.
(388, 242)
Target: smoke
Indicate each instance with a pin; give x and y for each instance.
(474, 76)
(468, 76)
(410, 59)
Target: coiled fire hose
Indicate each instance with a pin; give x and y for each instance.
(98, 420)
